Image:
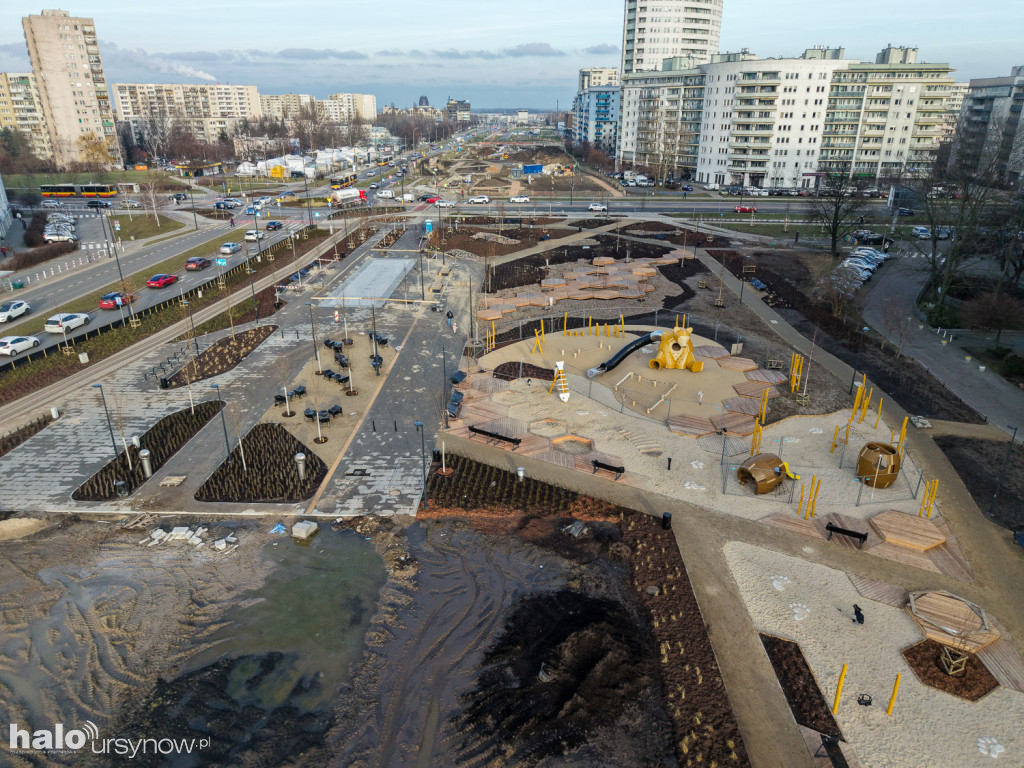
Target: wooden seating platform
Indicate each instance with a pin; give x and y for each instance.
(710, 351)
(951, 620)
(906, 530)
(753, 389)
(734, 423)
(690, 426)
(737, 363)
(745, 405)
(763, 374)
(1004, 662)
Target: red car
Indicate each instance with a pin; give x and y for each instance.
(744, 209)
(432, 200)
(115, 300)
(161, 281)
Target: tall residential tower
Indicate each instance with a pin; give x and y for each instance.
(654, 30)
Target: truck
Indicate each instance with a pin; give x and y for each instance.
(340, 198)
(408, 197)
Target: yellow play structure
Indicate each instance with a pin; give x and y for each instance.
(676, 351)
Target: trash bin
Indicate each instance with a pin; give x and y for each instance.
(17, 284)
(164, 384)
(122, 488)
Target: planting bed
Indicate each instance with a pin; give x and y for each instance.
(463, 239)
(512, 370)
(390, 238)
(13, 439)
(162, 440)
(923, 658)
(267, 300)
(270, 473)
(979, 464)
(799, 686)
(223, 355)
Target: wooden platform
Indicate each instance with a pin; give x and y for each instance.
(850, 524)
(737, 363)
(710, 351)
(691, 426)
(1001, 658)
(762, 374)
(745, 405)
(950, 620)
(793, 523)
(753, 389)
(879, 591)
(735, 423)
(907, 530)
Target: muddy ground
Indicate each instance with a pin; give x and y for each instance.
(980, 465)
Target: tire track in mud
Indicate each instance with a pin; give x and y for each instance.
(429, 648)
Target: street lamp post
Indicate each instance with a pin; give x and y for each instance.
(316, 349)
(110, 426)
(856, 362)
(192, 322)
(195, 218)
(112, 248)
(423, 459)
(444, 385)
(223, 421)
(1002, 475)
(305, 185)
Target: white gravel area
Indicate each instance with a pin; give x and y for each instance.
(813, 605)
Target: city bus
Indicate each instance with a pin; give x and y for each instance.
(341, 182)
(78, 190)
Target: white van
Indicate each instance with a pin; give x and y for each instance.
(386, 194)
(408, 197)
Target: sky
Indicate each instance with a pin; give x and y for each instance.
(522, 54)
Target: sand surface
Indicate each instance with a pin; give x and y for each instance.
(813, 605)
(18, 527)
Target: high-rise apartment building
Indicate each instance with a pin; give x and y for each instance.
(285, 106)
(654, 30)
(595, 110)
(205, 110)
(22, 110)
(592, 77)
(66, 61)
(349, 107)
(991, 131)
(457, 111)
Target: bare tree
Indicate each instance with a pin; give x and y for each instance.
(896, 325)
(155, 133)
(150, 195)
(996, 311)
(837, 206)
(835, 285)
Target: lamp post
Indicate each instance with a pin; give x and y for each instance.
(223, 421)
(113, 247)
(1002, 475)
(856, 362)
(188, 306)
(195, 219)
(423, 459)
(316, 349)
(305, 185)
(113, 442)
(444, 385)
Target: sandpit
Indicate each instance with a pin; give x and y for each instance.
(813, 605)
(19, 527)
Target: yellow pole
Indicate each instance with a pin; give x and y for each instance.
(856, 403)
(684, 320)
(878, 416)
(677, 323)
(590, 322)
(565, 323)
(835, 437)
(892, 699)
(801, 504)
(839, 690)
(543, 337)
(864, 405)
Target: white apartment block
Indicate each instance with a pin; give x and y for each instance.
(349, 107)
(991, 128)
(21, 109)
(592, 77)
(285, 106)
(763, 120)
(205, 110)
(654, 30)
(66, 61)
(595, 117)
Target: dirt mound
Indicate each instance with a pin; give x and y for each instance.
(565, 666)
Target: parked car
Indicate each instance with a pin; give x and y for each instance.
(230, 248)
(479, 200)
(907, 212)
(433, 199)
(161, 281)
(196, 263)
(51, 204)
(744, 209)
(12, 345)
(687, 188)
(426, 198)
(374, 185)
(274, 225)
(251, 210)
(59, 237)
(178, 196)
(67, 322)
(444, 204)
(945, 233)
(519, 199)
(598, 207)
(921, 233)
(115, 300)
(12, 309)
(130, 204)
(254, 235)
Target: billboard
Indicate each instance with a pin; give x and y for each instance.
(533, 168)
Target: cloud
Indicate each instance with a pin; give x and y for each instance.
(137, 58)
(533, 49)
(602, 48)
(322, 53)
(452, 53)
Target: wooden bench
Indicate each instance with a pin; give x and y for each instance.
(861, 537)
(514, 441)
(596, 464)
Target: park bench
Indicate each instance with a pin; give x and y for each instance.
(861, 537)
(514, 441)
(833, 751)
(597, 464)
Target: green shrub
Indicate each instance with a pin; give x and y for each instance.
(1013, 365)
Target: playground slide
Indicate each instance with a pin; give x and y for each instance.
(790, 475)
(623, 353)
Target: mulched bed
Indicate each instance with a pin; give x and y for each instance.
(678, 274)
(162, 440)
(513, 370)
(923, 658)
(463, 239)
(270, 473)
(806, 702)
(223, 355)
(13, 439)
(980, 465)
(530, 270)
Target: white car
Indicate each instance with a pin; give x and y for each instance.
(254, 235)
(600, 207)
(444, 204)
(65, 323)
(12, 309)
(51, 204)
(230, 248)
(12, 345)
(130, 204)
(519, 199)
(479, 200)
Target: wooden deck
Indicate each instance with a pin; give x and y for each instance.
(709, 351)
(745, 405)
(505, 426)
(791, 522)
(691, 426)
(734, 423)
(737, 363)
(534, 444)
(753, 389)
(907, 530)
(948, 557)
(474, 410)
(951, 621)
(1004, 662)
(762, 374)
(879, 591)
(558, 458)
(850, 524)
